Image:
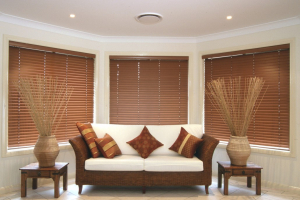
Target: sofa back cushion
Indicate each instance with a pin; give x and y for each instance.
(166, 134)
(121, 134)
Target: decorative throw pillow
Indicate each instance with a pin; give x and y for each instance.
(108, 146)
(145, 143)
(186, 144)
(89, 135)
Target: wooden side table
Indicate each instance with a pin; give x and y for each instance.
(229, 170)
(34, 171)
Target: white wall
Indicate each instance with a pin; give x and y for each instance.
(277, 169)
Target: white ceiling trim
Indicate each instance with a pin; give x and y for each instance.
(89, 36)
(251, 29)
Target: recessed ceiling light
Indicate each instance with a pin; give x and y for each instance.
(72, 15)
(148, 18)
(229, 17)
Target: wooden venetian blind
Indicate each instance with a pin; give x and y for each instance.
(149, 90)
(270, 125)
(76, 71)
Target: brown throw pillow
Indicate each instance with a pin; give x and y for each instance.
(186, 144)
(145, 143)
(89, 135)
(108, 146)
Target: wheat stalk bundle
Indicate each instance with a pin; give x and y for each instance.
(236, 105)
(46, 99)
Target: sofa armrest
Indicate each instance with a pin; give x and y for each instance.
(205, 151)
(81, 152)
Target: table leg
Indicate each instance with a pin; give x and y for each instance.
(249, 181)
(258, 182)
(34, 183)
(65, 179)
(23, 184)
(55, 177)
(219, 176)
(226, 178)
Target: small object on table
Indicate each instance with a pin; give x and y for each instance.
(34, 171)
(249, 170)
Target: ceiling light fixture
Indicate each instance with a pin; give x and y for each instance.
(148, 18)
(72, 15)
(229, 17)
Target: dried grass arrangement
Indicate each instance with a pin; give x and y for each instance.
(234, 103)
(46, 99)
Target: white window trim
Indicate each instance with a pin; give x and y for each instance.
(292, 42)
(4, 109)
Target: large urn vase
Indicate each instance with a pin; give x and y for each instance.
(238, 150)
(46, 150)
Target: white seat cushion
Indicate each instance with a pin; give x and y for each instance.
(174, 163)
(118, 163)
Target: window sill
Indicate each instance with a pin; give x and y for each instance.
(261, 150)
(26, 151)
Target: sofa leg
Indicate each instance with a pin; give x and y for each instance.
(79, 189)
(144, 189)
(206, 189)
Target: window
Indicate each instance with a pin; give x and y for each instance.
(148, 90)
(270, 126)
(75, 68)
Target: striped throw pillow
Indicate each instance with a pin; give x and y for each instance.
(89, 135)
(108, 146)
(186, 144)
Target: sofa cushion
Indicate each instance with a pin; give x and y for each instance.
(121, 134)
(186, 144)
(108, 147)
(167, 134)
(175, 163)
(119, 163)
(145, 143)
(89, 135)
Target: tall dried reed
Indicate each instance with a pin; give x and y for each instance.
(236, 105)
(46, 100)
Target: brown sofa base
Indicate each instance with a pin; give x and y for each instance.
(143, 178)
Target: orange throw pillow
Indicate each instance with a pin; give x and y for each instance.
(186, 144)
(145, 143)
(89, 135)
(108, 146)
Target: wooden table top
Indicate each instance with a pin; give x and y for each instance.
(227, 165)
(35, 166)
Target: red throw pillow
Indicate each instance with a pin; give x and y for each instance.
(145, 143)
(89, 135)
(108, 146)
(186, 144)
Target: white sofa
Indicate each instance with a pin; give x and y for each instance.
(161, 159)
(162, 167)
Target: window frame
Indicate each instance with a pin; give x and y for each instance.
(292, 112)
(5, 75)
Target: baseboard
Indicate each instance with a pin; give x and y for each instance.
(41, 182)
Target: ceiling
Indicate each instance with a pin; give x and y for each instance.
(181, 18)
